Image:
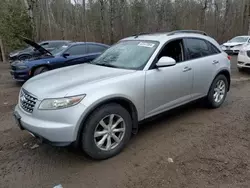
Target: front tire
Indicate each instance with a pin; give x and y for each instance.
(217, 92)
(40, 70)
(106, 132)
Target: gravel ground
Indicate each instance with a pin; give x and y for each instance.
(188, 147)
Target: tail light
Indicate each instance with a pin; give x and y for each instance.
(229, 57)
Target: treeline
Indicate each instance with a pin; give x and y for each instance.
(110, 20)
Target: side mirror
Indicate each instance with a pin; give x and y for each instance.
(165, 62)
(65, 55)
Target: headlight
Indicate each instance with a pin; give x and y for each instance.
(21, 67)
(59, 103)
(223, 47)
(14, 54)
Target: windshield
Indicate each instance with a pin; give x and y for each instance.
(239, 39)
(127, 54)
(57, 51)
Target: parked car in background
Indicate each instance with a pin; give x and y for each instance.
(234, 45)
(35, 50)
(99, 104)
(244, 58)
(67, 55)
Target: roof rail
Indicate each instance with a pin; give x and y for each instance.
(138, 34)
(187, 31)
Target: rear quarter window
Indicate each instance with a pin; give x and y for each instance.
(95, 48)
(198, 48)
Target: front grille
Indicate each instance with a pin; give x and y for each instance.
(27, 101)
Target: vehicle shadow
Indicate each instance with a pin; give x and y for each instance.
(157, 122)
(165, 118)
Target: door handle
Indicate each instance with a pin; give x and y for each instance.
(215, 62)
(186, 69)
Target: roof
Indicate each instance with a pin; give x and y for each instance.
(243, 36)
(56, 41)
(75, 43)
(163, 37)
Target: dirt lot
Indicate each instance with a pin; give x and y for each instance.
(209, 148)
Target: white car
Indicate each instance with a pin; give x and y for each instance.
(244, 58)
(234, 45)
(98, 105)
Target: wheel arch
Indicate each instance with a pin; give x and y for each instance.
(124, 102)
(226, 73)
(38, 66)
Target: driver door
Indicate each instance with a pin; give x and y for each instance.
(76, 55)
(168, 87)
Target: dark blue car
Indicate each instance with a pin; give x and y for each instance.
(67, 55)
(34, 50)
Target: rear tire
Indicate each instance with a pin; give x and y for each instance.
(40, 70)
(217, 92)
(101, 139)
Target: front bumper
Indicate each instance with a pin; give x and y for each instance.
(56, 127)
(20, 75)
(232, 51)
(243, 61)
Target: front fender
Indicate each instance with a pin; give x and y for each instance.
(108, 99)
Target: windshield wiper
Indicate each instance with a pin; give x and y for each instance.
(106, 65)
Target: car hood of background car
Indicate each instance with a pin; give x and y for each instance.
(32, 61)
(72, 80)
(36, 46)
(233, 43)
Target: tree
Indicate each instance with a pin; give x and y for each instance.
(107, 21)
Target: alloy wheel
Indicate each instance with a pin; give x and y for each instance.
(219, 91)
(109, 132)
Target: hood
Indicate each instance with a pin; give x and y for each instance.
(17, 63)
(233, 43)
(30, 61)
(36, 46)
(245, 48)
(45, 57)
(72, 79)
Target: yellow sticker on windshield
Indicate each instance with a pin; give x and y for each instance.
(146, 44)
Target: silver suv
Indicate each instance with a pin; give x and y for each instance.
(98, 105)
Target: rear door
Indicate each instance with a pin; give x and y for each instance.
(204, 59)
(94, 50)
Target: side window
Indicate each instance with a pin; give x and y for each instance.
(199, 48)
(173, 49)
(213, 49)
(77, 50)
(93, 48)
(56, 44)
